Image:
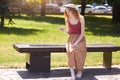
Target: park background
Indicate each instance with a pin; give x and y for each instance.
(37, 29)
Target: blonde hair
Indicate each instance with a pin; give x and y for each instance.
(75, 12)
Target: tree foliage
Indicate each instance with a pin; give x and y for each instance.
(114, 2)
(87, 1)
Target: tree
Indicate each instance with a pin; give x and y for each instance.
(83, 4)
(4, 11)
(30, 5)
(43, 7)
(116, 10)
(83, 7)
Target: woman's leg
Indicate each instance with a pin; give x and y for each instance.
(80, 56)
(71, 65)
(72, 73)
(79, 74)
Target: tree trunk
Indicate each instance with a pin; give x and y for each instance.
(116, 14)
(43, 8)
(83, 7)
(2, 21)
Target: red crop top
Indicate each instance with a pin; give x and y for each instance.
(74, 28)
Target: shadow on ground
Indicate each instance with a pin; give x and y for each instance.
(48, 19)
(19, 31)
(98, 26)
(101, 26)
(88, 74)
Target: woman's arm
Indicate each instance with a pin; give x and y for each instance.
(63, 29)
(82, 31)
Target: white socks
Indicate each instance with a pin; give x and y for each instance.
(78, 75)
(72, 74)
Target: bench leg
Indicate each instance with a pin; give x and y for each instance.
(38, 62)
(27, 60)
(107, 60)
(27, 65)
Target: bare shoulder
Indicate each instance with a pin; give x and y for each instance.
(81, 17)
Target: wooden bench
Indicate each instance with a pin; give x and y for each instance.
(38, 55)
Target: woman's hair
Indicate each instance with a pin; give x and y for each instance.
(74, 11)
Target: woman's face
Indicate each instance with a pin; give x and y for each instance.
(70, 12)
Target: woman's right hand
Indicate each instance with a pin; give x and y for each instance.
(62, 29)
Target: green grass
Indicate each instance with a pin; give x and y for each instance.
(44, 30)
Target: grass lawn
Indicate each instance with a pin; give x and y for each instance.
(44, 30)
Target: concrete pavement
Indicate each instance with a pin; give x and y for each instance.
(90, 73)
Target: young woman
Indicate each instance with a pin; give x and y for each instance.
(76, 45)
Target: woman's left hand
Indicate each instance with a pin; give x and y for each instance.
(74, 46)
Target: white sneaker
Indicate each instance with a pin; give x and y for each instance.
(72, 74)
(79, 74)
(73, 78)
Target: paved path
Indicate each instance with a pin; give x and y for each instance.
(90, 73)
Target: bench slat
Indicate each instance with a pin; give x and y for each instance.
(23, 48)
